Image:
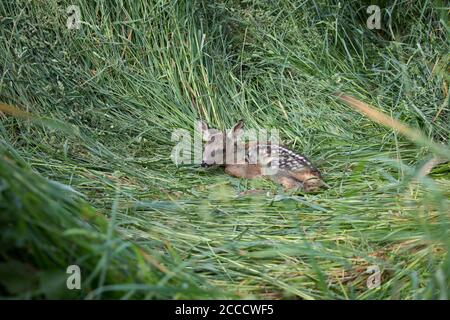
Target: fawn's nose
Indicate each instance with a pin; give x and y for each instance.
(207, 165)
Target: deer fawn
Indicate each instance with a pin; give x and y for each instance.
(258, 159)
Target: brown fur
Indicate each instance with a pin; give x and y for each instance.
(296, 173)
(311, 180)
(287, 182)
(248, 171)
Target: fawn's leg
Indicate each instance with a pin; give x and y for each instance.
(248, 171)
(288, 183)
(309, 181)
(312, 185)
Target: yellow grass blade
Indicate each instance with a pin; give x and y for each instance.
(14, 111)
(413, 134)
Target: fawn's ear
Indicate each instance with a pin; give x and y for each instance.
(202, 129)
(236, 131)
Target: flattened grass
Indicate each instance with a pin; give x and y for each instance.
(108, 97)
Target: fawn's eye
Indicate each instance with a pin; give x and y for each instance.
(212, 139)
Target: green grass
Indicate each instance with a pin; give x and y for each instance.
(88, 180)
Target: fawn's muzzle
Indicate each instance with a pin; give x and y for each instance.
(205, 165)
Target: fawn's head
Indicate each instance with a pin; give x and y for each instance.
(215, 152)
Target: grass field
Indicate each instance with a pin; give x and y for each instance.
(86, 178)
